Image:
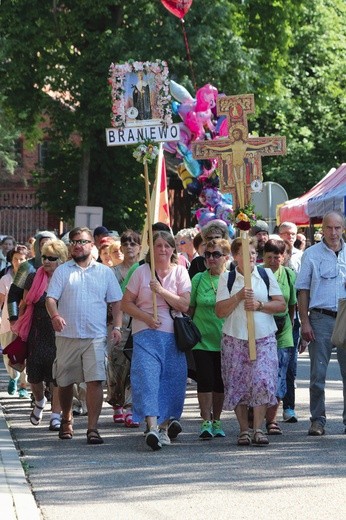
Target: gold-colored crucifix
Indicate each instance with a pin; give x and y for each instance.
(239, 154)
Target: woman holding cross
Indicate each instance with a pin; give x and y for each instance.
(249, 383)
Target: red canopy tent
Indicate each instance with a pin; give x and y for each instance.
(296, 210)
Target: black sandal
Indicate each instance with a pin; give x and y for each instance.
(65, 430)
(93, 437)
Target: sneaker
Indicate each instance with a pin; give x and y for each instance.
(163, 436)
(206, 430)
(12, 386)
(174, 428)
(153, 440)
(23, 394)
(217, 430)
(316, 429)
(289, 415)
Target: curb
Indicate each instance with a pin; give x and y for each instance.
(16, 499)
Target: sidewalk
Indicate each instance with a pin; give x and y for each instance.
(16, 499)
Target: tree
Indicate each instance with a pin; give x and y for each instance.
(56, 63)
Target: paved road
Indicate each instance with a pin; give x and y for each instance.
(296, 477)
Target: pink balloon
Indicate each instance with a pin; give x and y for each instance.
(196, 121)
(206, 98)
(186, 107)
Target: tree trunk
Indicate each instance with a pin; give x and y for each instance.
(84, 176)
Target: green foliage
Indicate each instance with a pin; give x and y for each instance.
(289, 53)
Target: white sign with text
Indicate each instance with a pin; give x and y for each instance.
(139, 134)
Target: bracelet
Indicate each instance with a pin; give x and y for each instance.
(117, 328)
(261, 305)
(55, 316)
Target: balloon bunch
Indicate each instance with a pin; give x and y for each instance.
(199, 121)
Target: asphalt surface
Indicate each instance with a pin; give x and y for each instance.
(295, 477)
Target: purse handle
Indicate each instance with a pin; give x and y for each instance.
(170, 308)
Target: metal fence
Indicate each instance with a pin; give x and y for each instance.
(19, 214)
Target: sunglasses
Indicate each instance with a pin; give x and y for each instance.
(50, 258)
(128, 243)
(213, 254)
(182, 242)
(79, 242)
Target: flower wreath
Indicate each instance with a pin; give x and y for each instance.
(117, 76)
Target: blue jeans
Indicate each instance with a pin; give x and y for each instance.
(320, 351)
(289, 399)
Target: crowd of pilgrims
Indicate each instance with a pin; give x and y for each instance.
(196, 272)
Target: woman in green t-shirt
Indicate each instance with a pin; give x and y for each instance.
(207, 353)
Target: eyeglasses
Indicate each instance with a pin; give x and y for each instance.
(80, 242)
(128, 243)
(214, 254)
(50, 258)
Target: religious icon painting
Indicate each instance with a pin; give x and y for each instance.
(140, 94)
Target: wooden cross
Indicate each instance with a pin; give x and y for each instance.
(241, 170)
(239, 154)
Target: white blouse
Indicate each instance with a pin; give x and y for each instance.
(236, 323)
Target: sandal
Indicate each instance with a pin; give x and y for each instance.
(65, 430)
(93, 437)
(54, 425)
(129, 422)
(244, 439)
(273, 428)
(118, 415)
(259, 438)
(37, 413)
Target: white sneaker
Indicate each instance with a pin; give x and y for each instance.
(153, 440)
(163, 436)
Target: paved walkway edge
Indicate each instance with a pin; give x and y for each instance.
(16, 499)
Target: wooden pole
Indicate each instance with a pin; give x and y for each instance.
(247, 283)
(150, 232)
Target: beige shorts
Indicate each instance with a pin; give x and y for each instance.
(79, 360)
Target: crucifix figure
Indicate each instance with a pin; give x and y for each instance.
(240, 154)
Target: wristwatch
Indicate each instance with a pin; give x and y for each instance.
(261, 305)
(117, 328)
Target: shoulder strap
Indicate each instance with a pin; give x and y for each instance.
(230, 281)
(262, 272)
(264, 275)
(288, 275)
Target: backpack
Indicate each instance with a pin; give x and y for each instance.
(263, 273)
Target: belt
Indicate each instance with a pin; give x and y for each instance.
(327, 312)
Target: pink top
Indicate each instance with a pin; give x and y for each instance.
(177, 281)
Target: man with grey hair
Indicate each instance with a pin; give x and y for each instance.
(288, 231)
(321, 282)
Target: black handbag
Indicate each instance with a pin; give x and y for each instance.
(186, 332)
